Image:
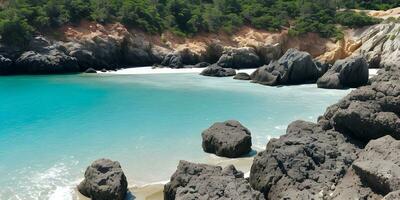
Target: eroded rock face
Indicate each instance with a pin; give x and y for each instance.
(228, 139)
(369, 112)
(376, 173)
(218, 71)
(104, 180)
(200, 181)
(381, 45)
(236, 58)
(350, 72)
(302, 164)
(173, 60)
(294, 67)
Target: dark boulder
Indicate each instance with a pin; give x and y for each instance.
(268, 52)
(173, 61)
(218, 71)
(228, 139)
(242, 76)
(200, 181)
(302, 164)
(375, 173)
(104, 180)
(238, 58)
(350, 72)
(294, 67)
(5, 65)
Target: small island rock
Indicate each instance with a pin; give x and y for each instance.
(228, 139)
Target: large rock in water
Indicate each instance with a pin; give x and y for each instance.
(294, 67)
(104, 180)
(350, 72)
(218, 71)
(302, 164)
(200, 181)
(374, 174)
(237, 58)
(228, 139)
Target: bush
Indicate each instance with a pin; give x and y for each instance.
(15, 31)
(355, 19)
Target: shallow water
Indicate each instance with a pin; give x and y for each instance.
(52, 127)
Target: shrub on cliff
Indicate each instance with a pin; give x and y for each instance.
(355, 19)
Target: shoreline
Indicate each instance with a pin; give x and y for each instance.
(154, 191)
(164, 70)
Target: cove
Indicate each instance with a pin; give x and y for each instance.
(52, 127)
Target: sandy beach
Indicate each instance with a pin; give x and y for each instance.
(151, 70)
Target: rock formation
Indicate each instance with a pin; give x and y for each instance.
(237, 58)
(200, 181)
(242, 76)
(218, 71)
(228, 139)
(294, 67)
(329, 160)
(350, 72)
(104, 180)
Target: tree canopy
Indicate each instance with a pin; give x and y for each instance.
(20, 19)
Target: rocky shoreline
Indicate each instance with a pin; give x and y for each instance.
(350, 153)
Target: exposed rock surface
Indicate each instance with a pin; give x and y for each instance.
(218, 71)
(350, 72)
(381, 44)
(172, 60)
(104, 180)
(371, 111)
(5, 65)
(374, 174)
(237, 58)
(45, 58)
(200, 181)
(294, 67)
(302, 164)
(242, 76)
(228, 139)
(268, 52)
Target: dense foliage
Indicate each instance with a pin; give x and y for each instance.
(19, 19)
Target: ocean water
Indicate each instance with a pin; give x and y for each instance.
(53, 127)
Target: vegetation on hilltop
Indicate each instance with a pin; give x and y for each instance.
(20, 19)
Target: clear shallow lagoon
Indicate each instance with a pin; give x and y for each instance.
(52, 127)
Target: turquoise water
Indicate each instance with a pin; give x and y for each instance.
(52, 127)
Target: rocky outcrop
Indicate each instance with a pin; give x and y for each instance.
(90, 71)
(329, 160)
(302, 164)
(237, 58)
(374, 174)
(45, 58)
(294, 67)
(371, 111)
(104, 180)
(5, 65)
(350, 72)
(200, 181)
(242, 76)
(173, 60)
(381, 45)
(228, 139)
(218, 71)
(269, 53)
